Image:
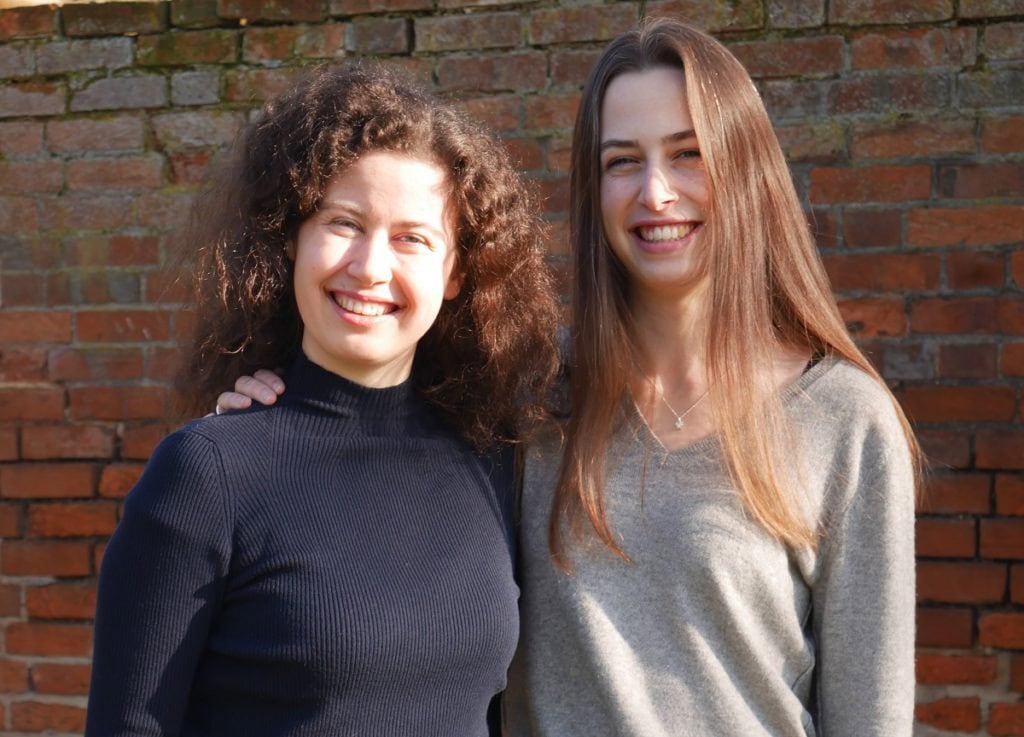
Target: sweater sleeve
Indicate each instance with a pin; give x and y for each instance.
(863, 598)
(160, 585)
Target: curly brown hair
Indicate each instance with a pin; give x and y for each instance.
(488, 360)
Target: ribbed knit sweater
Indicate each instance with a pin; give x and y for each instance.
(336, 564)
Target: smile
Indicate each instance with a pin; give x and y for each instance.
(362, 307)
(675, 232)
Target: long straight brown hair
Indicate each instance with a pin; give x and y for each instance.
(767, 288)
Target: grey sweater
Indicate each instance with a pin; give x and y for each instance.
(715, 629)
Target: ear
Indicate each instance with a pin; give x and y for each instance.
(289, 249)
(454, 285)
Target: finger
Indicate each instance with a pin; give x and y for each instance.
(270, 379)
(255, 389)
(232, 400)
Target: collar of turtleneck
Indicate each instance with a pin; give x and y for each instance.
(314, 387)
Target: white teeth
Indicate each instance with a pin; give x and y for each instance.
(665, 232)
(369, 309)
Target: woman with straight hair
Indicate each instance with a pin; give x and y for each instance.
(718, 538)
(340, 563)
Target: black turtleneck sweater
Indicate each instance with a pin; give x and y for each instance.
(336, 564)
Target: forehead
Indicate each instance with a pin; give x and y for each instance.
(652, 101)
(394, 182)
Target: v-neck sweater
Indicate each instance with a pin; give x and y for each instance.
(338, 563)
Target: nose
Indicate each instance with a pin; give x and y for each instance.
(372, 259)
(656, 191)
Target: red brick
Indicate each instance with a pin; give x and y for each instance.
(526, 153)
(478, 31)
(1003, 630)
(974, 270)
(318, 42)
(1002, 538)
(65, 679)
(586, 23)
(356, 7)
(1000, 450)
(126, 172)
(1009, 494)
(1017, 584)
(867, 318)
(1013, 359)
(961, 583)
(871, 184)
(35, 327)
(40, 442)
(122, 326)
(951, 714)
(1017, 267)
(189, 167)
(61, 601)
(871, 12)
(990, 87)
(513, 71)
(251, 85)
(501, 113)
(958, 403)
(889, 93)
(572, 66)
(79, 211)
(168, 288)
(84, 364)
(818, 55)
(22, 290)
(118, 479)
(945, 538)
(22, 137)
(50, 558)
(715, 16)
(8, 449)
(24, 364)
(47, 480)
(979, 181)
(188, 47)
(955, 669)
(17, 177)
(116, 93)
(117, 402)
(39, 716)
(28, 22)
(990, 8)
(140, 440)
(826, 142)
(379, 36)
(968, 361)
(13, 676)
(10, 602)
(32, 403)
(1004, 41)
(1017, 672)
(946, 627)
(271, 10)
(118, 250)
(77, 519)
(927, 48)
(796, 13)
(121, 133)
(1003, 135)
(551, 111)
(872, 228)
(18, 215)
(882, 272)
(976, 315)
(1006, 719)
(113, 19)
(554, 196)
(19, 99)
(912, 138)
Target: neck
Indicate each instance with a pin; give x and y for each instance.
(672, 336)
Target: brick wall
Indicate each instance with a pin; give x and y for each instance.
(905, 125)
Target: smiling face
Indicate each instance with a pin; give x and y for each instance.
(654, 191)
(373, 265)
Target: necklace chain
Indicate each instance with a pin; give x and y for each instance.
(680, 422)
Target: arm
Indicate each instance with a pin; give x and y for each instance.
(864, 601)
(160, 585)
(263, 386)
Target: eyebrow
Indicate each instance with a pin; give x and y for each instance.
(670, 138)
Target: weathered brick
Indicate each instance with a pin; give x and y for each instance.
(510, 71)
(20, 138)
(1012, 361)
(584, 23)
(44, 558)
(981, 225)
(27, 22)
(194, 13)
(104, 326)
(35, 327)
(821, 55)
(979, 181)
(991, 88)
(356, 7)
(572, 66)
(1017, 267)
(8, 452)
(999, 450)
(968, 361)
(60, 57)
(714, 16)
(21, 177)
(922, 139)
(871, 12)
(945, 538)
(43, 442)
(121, 133)
(889, 93)
(166, 210)
(31, 98)
(479, 31)
(946, 448)
(886, 272)
(188, 47)
(195, 88)
(796, 13)
(871, 184)
(945, 627)
(961, 583)
(1003, 135)
(801, 99)
(176, 131)
(250, 85)
(872, 228)
(271, 10)
(66, 679)
(990, 8)
(1004, 41)
(925, 48)
(113, 18)
(17, 62)
(81, 211)
(189, 167)
(117, 402)
(868, 318)
(500, 113)
(956, 494)
(951, 714)
(116, 93)
(125, 172)
(974, 270)
(378, 36)
(551, 111)
(22, 364)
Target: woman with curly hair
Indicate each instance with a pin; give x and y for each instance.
(340, 562)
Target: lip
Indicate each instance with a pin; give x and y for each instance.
(663, 247)
(354, 318)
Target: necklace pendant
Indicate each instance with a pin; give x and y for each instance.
(679, 423)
